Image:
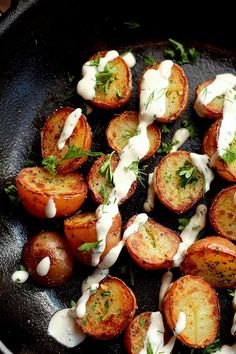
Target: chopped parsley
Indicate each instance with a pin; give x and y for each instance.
(142, 322)
(230, 292)
(164, 129)
(230, 155)
(138, 171)
(50, 164)
(12, 194)
(165, 148)
(183, 222)
(189, 124)
(106, 293)
(119, 94)
(187, 174)
(74, 152)
(104, 193)
(106, 170)
(128, 134)
(149, 60)
(72, 303)
(149, 348)
(180, 54)
(88, 246)
(106, 77)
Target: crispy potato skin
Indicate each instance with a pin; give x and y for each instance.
(119, 128)
(153, 246)
(35, 186)
(81, 228)
(176, 95)
(81, 137)
(214, 259)
(52, 245)
(96, 181)
(213, 109)
(166, 183)
(209, 147)
(136, 332)
(222, 213)
(122, 82)
(107, 316)
(198, 300)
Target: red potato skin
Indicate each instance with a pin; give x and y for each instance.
(52, 245)
(208, 111)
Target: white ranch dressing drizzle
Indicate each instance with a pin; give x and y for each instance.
(166, 281)
(233, 328)
(190, 233)
(153, 88)
(50, 208)
(63, 329)
(227, 129)
(234, 199)
(227, 349)
(180, 324)
(218, 87)
(201, 162)
(86, 86)
(43, 267)
(68, 128)
(149, 203)
(20, 276)
(155, 336)
(129, 58)
(179, 138)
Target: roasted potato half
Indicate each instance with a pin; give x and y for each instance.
(223, 213)
(213, 109)
(210, 143)
(81, 137)
(198, 301)
(167, 186)
(153, 246)
(118, 91)
(80, 229)
(36, 186)
(51, 249)
(109, 311)
(100, 186)
(122, 127)
(214, 259)
(176, 93)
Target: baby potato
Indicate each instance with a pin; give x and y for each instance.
(123, 126)
(81, 137)
(80, 229)
(109, 313)
(37, 188)
(153, 246)
(48, 259)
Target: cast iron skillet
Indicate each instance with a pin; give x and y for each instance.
(41, 43)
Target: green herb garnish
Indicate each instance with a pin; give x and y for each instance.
(128, 134)
(149, 348)
(138, 171)
(212, 348)
(187, 174)
(230, 292)
(188, 124)
(21, 267)
(74, 152)
(72, 303)
(230, 155)
(95, 62)
(119, 94)
(104, 193)
(105, 169)
(164, 148)
(132, 24)
(106, 293)
(88, 246)
(164, 129)
(12, 194)
(180, 54)
(183, 222)
(50, 164)
(149, 60)
(106, 77)
(142, 322)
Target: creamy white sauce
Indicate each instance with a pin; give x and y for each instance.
(218, 87)
(50, 208)
(20, 276)
(149, 203)
(155, 336)
(234, 199)
(86, 86)
(180, 324)
(166, 280)
(190, 233)
(68, 128)
(202, 162)
(227, 349)
(43, 267)
(140, 219)
(62, 327)
(227, 129)
(153, 91)
(97, 276)
(129, 58)
(179, 138)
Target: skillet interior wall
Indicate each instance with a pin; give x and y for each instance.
(48, 40)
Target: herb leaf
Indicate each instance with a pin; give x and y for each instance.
(95, 62)
(189, 124)
(138, 171)
(21, 267)
(50, 164)
(149, 348)
(164, 129)
(132, 24)
(183, 222)
(180, 54)
(230, 155)
(164, 148)
(230, 292)
(106, 77)
(106, 293)
(88, 246)
(187, 174)
(142, 322)
(104, 193)
(128, 134)
(149, 60)
(12, 194)
(212, 348)
(105, 169)
(74, 152)
(72, 303)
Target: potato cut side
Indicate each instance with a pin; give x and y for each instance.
(35, 186)
(199, 302)
(80, 229)
(166, 183)
(81, 137)
(213, 109)
(108, 312)
(153, 246)
(176, 93)
(223, 213)
(99, 186)
(124, 126)
(119, 90)
(214, 259)
(210, 144)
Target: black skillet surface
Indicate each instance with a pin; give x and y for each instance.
(41, 46)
